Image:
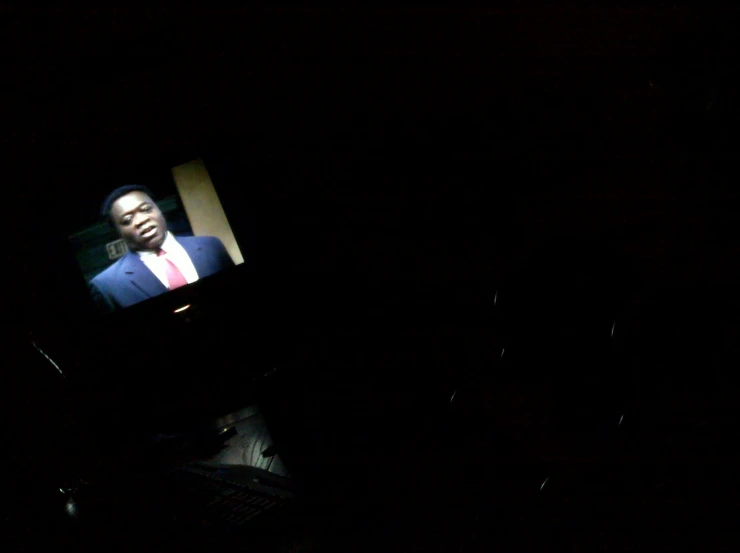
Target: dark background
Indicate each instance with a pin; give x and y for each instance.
(397, 143)
(395, 169)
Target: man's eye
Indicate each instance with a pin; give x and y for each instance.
(146, 208)
(126, 221)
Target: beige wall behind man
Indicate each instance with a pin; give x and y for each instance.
(203, 207)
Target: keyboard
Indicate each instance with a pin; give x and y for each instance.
(232, 495)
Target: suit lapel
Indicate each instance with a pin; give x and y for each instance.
(141, 277)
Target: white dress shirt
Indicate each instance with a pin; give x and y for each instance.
(175, 253)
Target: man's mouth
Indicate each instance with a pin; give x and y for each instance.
(148, 232)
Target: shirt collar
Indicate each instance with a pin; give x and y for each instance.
(168, 244)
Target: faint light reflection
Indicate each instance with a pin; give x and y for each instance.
(48, 358)
(183, 308)
(453, 396)
(502, 353)
(545, 482)
(620, 420)
(71, 508)
(613, 327)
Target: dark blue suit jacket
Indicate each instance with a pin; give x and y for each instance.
(129, 281)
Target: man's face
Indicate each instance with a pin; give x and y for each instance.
(139, 221)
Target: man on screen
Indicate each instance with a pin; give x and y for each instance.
(157, 261)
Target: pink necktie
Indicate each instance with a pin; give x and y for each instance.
(174, 277)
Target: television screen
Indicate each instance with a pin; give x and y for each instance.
(152, 237)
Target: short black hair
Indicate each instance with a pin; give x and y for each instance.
(120, 192)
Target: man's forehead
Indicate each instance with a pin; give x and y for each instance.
(130, 201)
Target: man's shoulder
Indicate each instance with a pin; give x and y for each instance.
(198, 240)
(109, 273)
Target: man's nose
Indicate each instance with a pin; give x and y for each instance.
(141, 219)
